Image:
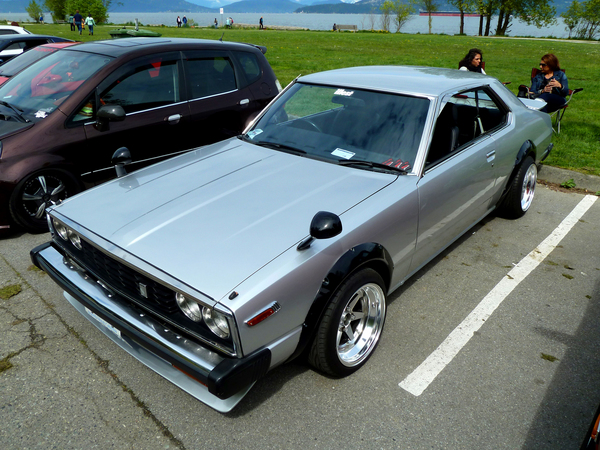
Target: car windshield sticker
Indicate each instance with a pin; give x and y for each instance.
(253, 133)
(397, 163)
(342, 153)
(344, 92)
(41, 114)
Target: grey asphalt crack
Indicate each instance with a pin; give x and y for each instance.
(24, 335)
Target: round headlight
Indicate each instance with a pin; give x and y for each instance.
(61, 230)
(189, 307)
(216, 321)
(74, 238)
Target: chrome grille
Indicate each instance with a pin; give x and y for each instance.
(127, 280)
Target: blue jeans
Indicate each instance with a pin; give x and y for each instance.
(553, 102)
(78, 24)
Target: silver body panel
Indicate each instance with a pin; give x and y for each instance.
(228, 217)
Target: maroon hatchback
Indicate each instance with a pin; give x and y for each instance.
(63, 117)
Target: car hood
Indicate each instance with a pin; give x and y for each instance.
(215, 215)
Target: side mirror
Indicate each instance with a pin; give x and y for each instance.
(324, 225)
(107, 114)
(120, 159)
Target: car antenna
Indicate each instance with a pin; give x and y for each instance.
(221, 38)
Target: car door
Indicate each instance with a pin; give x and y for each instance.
(459, 176)
(219, 107)
(149, 89)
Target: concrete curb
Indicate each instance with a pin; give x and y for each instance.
(550, 174)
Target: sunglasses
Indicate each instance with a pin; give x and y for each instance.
(543, 65)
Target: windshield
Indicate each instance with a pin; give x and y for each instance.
(345, 125)
(39, 89)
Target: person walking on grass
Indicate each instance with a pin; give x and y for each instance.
(77, 20)
(90, 22)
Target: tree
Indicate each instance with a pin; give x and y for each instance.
(97, 8)
(589, 20)
(572, 16)
(34, 10)
(533, 12)
(402, 12)
(386, 14)
(430, 6)
(57, 9)
(464, 6)
(397, 9)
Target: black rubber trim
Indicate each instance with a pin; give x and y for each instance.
(229, 377)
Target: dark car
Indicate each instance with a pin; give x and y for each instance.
(15, 65)
(62, 118)
(12, 45)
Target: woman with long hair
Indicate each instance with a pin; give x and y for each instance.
(472, 61)
(550, 84)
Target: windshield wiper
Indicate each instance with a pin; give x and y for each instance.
(375, 165)
(278, 146)
(16, 110)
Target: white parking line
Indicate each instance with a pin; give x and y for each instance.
(423, 376)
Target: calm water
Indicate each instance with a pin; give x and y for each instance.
(417, 24)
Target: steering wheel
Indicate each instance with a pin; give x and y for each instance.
(306, 124)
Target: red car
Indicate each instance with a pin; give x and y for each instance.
(15, 65)
(63, 117)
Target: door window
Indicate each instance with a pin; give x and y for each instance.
(464, 119)
(147, 85)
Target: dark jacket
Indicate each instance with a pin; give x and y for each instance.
(539, 82)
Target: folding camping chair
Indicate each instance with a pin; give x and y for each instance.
(559, 113)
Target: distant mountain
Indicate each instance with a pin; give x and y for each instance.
(262, 6)
(247, 6)
(157, 6)
(360, 7)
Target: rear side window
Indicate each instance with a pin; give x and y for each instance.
(250, 66)
(8, 32)
(15, 46)
(211, 76)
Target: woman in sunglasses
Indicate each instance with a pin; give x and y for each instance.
(550, 84)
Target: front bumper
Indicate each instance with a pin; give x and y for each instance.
(218, 381)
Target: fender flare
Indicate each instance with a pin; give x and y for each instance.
(525, 150)
(364, 255)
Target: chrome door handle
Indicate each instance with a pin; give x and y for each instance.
(174, 119)
(491, 155)
(244, 101)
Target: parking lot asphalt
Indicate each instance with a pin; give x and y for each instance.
(528, 377)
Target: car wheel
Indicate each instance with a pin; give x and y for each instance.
(37, 192)
(351, 326)
(521, 191)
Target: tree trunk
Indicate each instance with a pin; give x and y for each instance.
(462, 21)
(429, 22)
(499, 24)
(488, 19)
(480, 24)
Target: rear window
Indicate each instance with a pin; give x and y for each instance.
(250, 65)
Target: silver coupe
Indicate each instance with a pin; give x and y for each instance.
(222, 263)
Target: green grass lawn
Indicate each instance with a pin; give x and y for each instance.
(292, 53)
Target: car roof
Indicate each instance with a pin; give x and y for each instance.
(428, 81)
(57, 45)
(28, 37)
(20, 30)
(118, 47)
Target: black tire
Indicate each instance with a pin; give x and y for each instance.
(520, 192)
(38, 191)
(357, 309)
